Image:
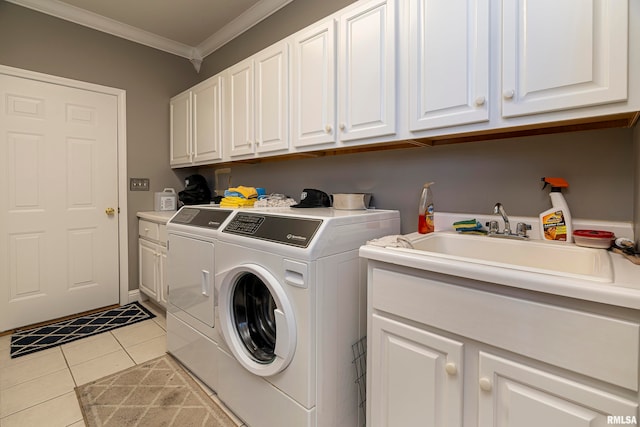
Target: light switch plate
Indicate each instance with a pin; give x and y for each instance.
(139, 184)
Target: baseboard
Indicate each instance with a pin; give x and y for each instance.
(135, 296)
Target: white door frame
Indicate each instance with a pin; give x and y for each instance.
(120, 94)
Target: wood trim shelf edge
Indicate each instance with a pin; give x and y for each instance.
(622, 120)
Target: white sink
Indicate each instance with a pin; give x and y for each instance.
(559, 259)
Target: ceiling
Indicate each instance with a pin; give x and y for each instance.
(189, 28)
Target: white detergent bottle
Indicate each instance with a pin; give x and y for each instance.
(555, 223)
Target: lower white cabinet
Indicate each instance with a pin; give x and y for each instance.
(514, 394)
(152, 260)
(418, 376)
(446, 353)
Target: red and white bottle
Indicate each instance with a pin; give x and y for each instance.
(426, 210)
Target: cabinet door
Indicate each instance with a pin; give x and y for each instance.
(367, 71)
(272, 98)
(163, 291)
(180, 136)
(148, 268)
(207, 120)
(516, 395)
(416, 377)
(191, 277)
(560, 55)
(449, 63)
(239, 108)
(313, 83)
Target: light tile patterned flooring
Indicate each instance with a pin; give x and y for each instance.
(38, 389)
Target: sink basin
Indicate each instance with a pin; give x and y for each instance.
(557, 259)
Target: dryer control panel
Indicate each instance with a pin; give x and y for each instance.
(206, 218)
(285, 230)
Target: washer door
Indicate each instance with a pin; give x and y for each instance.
(257, 320)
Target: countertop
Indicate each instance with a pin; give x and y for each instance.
(161, 217)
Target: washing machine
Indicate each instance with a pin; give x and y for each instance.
(192, 335)
(291, 302)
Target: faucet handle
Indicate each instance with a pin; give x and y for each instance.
(493, 226)
(521, 228)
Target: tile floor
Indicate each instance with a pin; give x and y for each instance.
(38, 389)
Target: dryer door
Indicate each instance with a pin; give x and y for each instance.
(257, 319)
(190, 277)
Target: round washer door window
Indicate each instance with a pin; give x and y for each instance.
(257, 320)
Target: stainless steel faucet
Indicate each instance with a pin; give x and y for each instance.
(494, 231)
(499, 210)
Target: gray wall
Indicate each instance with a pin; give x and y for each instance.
(38, 42)
(470, 177)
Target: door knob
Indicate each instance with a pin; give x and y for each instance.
(110, 211)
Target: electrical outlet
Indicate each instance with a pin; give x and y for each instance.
(139, 184)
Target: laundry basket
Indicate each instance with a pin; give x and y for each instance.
(360, 361)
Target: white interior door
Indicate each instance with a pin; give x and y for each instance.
(59, 179)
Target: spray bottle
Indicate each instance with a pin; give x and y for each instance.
(555, 223)
(425, 210)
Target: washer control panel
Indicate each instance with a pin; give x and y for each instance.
(285, 230)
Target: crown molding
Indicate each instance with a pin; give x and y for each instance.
(106, 25)
(242, 23)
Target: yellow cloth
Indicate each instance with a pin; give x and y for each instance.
(247, 192)
(236, 202)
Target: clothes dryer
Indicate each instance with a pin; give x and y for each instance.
(192, 334)
(291, 302)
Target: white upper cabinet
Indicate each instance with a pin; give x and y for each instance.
(381, 71)
(258, 103)
(565, 54)
(272, 98)
(448, 63)
(367, 71)
(196, 124)
(180, 134)
(206, 101)
(344, 81)
(239, 108)
(313, 86)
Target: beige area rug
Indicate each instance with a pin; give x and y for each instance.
(156, 393)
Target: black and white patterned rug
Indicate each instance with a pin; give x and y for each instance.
(31, 340)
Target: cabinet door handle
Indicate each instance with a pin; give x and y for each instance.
(509, 94)
(480, 100)
(451, 368)
(328, 129)
(485, 384)
(343, 127)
